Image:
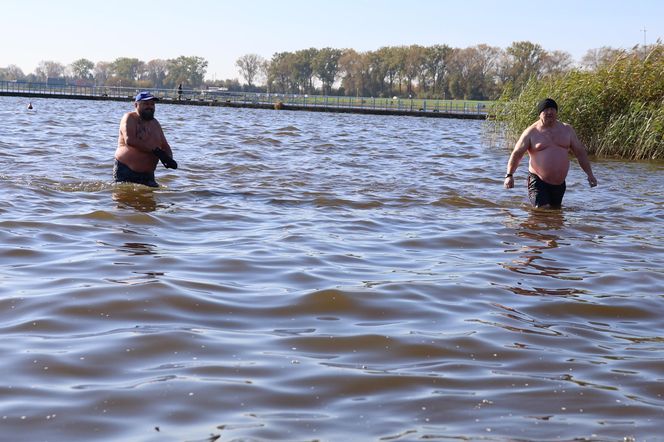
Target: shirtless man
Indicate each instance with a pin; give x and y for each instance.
(141, 144)
(548, 142)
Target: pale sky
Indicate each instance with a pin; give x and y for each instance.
(222, 30)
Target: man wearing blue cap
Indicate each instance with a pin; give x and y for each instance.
(548, 143)
(141, 144)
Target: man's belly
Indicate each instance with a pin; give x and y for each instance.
(136, 160)
(551, 164)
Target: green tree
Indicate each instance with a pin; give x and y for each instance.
(280, 73)
(436, 61)
(189, 71)
(397, 60)
(390, 61)
(326, 67)
(413, 66)
(156, 71)
(523, 61)
(125, 71)
(376, 73)
(304, 69)
(81, 69)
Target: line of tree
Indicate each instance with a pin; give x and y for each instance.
(129, 72)
(479, 72)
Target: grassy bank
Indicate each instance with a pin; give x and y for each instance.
(617, 110)
(391, 103)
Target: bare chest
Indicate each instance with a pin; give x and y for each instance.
(145, 129)
(550, 139)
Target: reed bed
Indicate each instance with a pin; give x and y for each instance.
(617, 110)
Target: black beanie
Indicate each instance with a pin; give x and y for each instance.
(546, 103)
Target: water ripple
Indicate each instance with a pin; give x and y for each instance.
(312, 276)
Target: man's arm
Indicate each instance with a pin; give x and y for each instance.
(582, 157)
(163, 151)
(519, 151)
(164, 144)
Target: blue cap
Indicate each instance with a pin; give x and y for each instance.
(145, 96)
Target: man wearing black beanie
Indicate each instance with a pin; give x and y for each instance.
(548, 143)
(546, 103)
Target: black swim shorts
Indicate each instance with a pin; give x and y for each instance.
(542, 194)
(123, 174)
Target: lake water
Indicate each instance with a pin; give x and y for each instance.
(308, 276)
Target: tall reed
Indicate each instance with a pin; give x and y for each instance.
(617, 110)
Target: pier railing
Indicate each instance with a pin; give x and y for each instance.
(220, 97)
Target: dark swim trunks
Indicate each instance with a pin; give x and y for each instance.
(542, 194)
(123, 174)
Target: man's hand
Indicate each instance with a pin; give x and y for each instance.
(509, 182)
(592, 181)
(168, 162)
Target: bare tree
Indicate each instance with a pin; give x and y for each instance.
(49, 69)
(102, 72)
(11, 73)
(556, 62)
(250, 66)
(596, 58)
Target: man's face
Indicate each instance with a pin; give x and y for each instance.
(549, 115)
(145, 109)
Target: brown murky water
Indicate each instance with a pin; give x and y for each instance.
(312, 276)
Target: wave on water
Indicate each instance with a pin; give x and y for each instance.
(310, 276)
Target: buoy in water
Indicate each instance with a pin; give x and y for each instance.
(29, 105)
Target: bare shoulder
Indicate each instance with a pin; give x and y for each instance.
(524, 141)
(129, 116)
(530, 130)
(566, 127)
